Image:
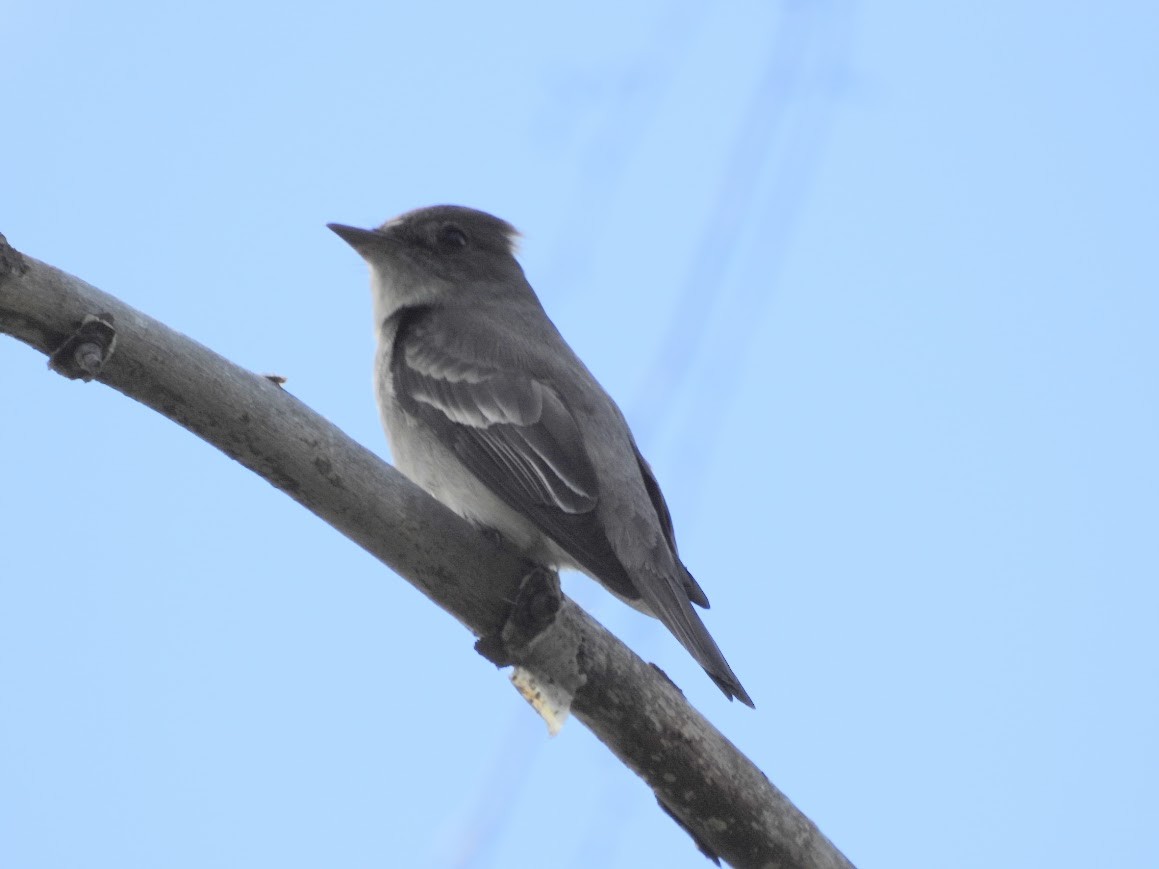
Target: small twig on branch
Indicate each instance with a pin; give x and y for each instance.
(730, 808)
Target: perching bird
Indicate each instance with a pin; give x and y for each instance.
(489, 410)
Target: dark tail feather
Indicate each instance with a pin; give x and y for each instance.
(669, 603)
(694, 591)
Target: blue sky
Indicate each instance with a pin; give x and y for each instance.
(876, 286)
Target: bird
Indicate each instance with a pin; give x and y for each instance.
(489, 410)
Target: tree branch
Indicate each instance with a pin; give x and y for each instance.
(712, 790)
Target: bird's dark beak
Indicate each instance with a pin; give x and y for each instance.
(359, 239)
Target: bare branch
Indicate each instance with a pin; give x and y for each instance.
(701, 779)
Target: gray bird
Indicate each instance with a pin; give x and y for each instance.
(489, 410)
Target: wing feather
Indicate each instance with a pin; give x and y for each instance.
(513, 432)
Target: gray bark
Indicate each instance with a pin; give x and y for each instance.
(712, 790)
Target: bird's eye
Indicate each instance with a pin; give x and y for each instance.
(452, 237)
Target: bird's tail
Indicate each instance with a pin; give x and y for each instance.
(669, 602)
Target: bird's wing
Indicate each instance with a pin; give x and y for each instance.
(516, 434)
(691, 586)
(512, 431)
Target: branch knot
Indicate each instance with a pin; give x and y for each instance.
(85, 352)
